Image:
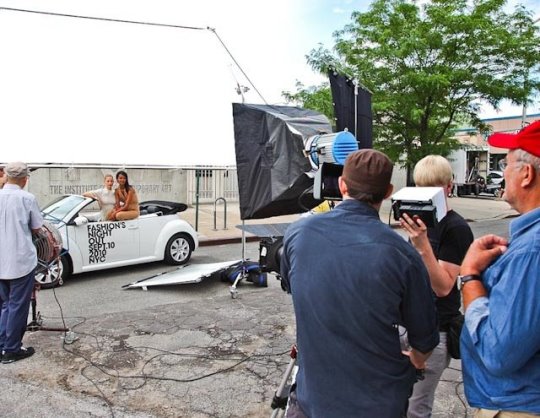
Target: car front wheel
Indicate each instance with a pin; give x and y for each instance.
(178, 249)
(55, 276)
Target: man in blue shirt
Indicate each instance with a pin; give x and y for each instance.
(500, 282)
(19, 218)
(353, 282)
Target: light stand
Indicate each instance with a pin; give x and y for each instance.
(243, 274)
(281, 397)
(37, 321)
(36, 324)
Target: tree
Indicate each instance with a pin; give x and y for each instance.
(318, 98)
(430, 66)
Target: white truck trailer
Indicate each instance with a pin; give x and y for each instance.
(470, 167)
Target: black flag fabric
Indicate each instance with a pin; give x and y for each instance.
(273, 171)
(343, 96)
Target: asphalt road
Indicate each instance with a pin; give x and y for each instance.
(138, 351)
(79, 292)
(106, 286)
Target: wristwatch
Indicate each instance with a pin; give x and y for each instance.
(461, 280)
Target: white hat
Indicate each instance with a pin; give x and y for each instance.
(16, 170)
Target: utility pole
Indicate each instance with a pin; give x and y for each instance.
(525, 82)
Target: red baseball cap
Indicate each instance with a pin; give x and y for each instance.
(527, 139)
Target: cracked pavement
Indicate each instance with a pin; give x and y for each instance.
(172, 351)
(188, 359)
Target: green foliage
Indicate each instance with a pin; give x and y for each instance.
(318, 98)
(430, 66)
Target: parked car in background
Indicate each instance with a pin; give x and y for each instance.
(159, 233)
(495, 177)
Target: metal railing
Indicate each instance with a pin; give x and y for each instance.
(222, 199)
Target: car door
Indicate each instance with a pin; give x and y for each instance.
(108, 244)
(150, 229)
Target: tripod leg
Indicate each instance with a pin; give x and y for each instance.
(232, 289)
(243, 273)
(35, 324)
(34, 306)
(279, 401)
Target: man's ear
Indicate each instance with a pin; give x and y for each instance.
(343, 189)
(389, 191)
(529, 177)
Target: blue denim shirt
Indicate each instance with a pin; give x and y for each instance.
(500, 343)
(353, 280)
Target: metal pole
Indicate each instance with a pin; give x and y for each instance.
(524, 112)
(525, 82)
(197, 180)
(356, 110)
(243, 241)
(224, 212)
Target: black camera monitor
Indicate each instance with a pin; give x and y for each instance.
(325, 185)
(428, 203)
(426, 212)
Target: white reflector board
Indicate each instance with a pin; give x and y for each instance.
(191, 273)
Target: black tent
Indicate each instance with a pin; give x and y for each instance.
(274, 175)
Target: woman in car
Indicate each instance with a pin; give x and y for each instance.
(127, 202)
(104, 196)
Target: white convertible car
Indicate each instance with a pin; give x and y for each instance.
(158, 234)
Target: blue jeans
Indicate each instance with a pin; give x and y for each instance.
(16, 295)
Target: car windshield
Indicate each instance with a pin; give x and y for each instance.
(60, 207)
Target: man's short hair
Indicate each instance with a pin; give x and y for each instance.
(432, 171)
(367, 174)
(16, 170)
(523, 156)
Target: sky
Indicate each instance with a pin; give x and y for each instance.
(86, 91)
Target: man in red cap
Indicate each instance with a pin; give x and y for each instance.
(500, 283)
(353, 282)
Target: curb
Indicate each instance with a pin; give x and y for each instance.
(224, 241)
(207, 242)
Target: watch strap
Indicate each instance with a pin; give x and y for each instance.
(467, 278)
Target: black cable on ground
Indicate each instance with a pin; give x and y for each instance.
(144, 376)
(103, 396)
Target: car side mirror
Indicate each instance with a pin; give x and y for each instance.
(80, 220)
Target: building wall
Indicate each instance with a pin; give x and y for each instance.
(177, 185)
(510, 124)
(151, 184)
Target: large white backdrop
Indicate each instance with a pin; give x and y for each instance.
(84, 91)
